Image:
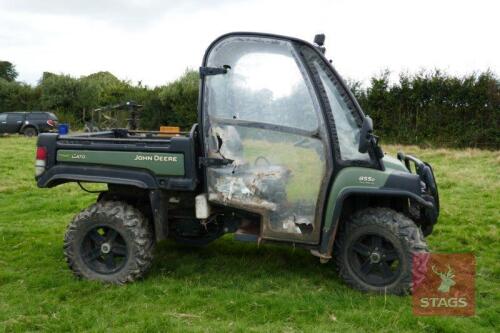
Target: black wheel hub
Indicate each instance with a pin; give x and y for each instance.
(104, 250)
(374, 259)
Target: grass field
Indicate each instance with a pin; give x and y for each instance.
(230, 286)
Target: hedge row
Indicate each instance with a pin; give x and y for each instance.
(435, 109)
(426, 108)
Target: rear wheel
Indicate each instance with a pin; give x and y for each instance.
(30, 131)
(109, 241)
(374, 251)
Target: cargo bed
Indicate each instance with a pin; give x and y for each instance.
(146, 159)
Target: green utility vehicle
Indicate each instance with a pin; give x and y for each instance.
(281, 153)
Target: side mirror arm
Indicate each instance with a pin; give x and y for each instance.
(367, 139)
(365, 135)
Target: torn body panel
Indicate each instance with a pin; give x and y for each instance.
(276, 175)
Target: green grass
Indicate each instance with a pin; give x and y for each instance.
(230, 286)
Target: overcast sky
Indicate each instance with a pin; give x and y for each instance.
(156, 40)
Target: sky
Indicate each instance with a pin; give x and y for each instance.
(154, 41)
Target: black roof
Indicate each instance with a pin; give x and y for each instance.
(23, 112)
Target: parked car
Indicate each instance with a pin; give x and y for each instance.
(27, 123)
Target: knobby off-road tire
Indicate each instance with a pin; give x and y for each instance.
(397, 237)
(128, 237)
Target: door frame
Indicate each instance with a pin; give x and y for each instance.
(16, 126)
(332, 142)
(3, 124)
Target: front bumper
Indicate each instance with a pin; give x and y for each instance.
(429, 190)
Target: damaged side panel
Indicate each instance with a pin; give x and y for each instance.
(276, 175)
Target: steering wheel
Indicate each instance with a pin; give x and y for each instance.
(261, 158)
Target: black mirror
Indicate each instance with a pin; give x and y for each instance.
(365, 135)
(319, 39)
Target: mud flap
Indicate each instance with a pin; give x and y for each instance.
(159, 209)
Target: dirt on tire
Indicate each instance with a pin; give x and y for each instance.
(407, 238)
(132, 226)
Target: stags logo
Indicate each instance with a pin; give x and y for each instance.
(446, 279)
(443, 284)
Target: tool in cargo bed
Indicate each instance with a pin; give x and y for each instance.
(104, 118)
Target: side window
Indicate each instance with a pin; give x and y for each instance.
(3, 117)
(265, 83)
(14, 117)
(348, 131)
(36, 116)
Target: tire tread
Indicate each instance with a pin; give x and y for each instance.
(132, 219)
(398, 224)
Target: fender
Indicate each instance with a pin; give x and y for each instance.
(60, 174)
(24, 126)
(364, 181)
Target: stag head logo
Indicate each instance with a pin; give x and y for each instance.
(443, 284)
(447, 279)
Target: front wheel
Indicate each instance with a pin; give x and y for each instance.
(109, 241)
(374, 251)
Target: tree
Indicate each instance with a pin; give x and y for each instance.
(17, 96)
(8, 71)
(180, 99)
(66, 94)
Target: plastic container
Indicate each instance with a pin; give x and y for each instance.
(169, 130)
(63, 129)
